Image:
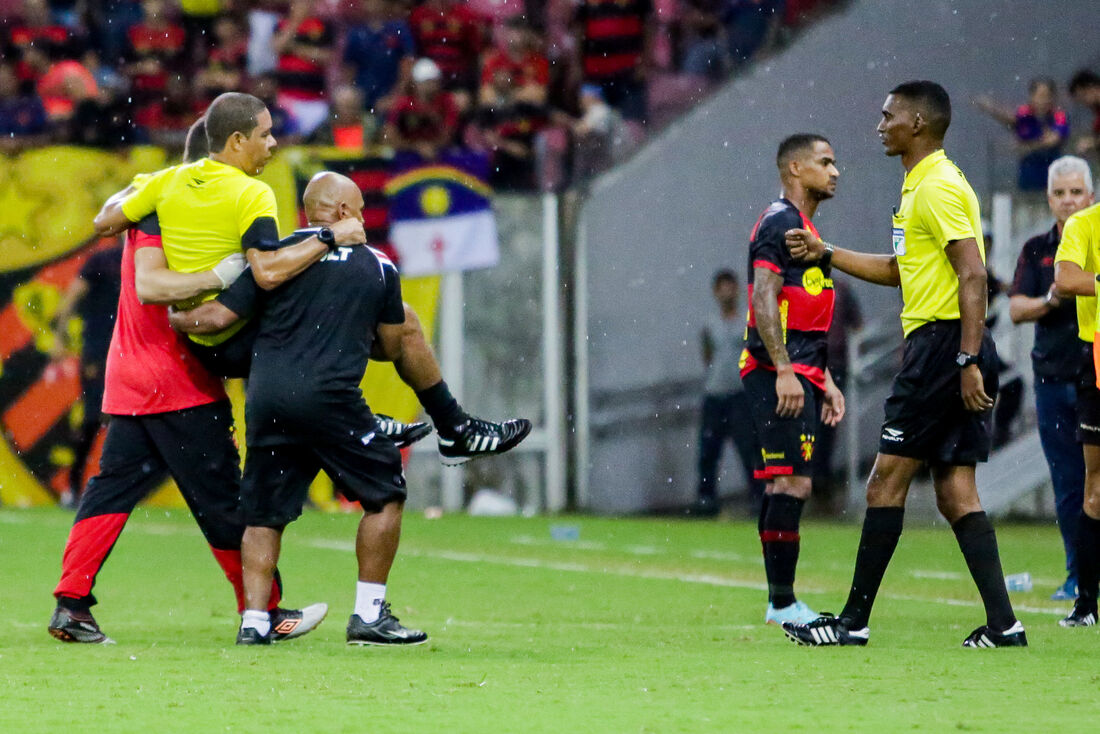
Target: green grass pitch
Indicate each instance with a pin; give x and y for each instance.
(638, 626)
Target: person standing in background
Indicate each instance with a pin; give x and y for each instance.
(93, 297)
(725, 411)
(1058, 356)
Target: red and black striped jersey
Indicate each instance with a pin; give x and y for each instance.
(300, 76)
(613, 34)
(805, 301)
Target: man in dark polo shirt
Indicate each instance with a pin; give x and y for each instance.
(1058, 355)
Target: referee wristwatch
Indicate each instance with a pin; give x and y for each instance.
(965, 360)
(327, 237)
(826, 256)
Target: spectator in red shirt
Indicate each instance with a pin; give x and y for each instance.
(527, 70)
(157, 48)
(614, 40)
(345, 128)
(449, 34)
(61, 84)
(165, 122)
(37, 29)
(224, 70)
(304, 43)
(424, 121)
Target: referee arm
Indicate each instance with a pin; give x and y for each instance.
(1070, 279)
(110, 220)
(272, 268)
(878, 269)
(966, 261)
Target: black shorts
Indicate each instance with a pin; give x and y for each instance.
(925, 415)
(364, 466)
(1088, 401)
(786, 444)
(231, 358)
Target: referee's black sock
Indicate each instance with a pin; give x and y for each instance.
(442, 407)
(780, 539)
(881, 530)
(978, 543)
(1088, 558)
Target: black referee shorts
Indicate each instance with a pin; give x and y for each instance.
(786, 444)
(1088, 399)
(364, 466)
(925, 415)
(231, 358)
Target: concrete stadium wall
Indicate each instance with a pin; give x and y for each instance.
(657, 227)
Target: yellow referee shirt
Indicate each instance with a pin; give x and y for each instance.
(207, 211)
(937, 207)
(1080, 245)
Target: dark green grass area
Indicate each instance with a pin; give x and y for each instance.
(637, 626)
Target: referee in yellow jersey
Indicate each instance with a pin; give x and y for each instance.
(1075, 271)
(939, 412)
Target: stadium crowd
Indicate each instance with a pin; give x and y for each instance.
(542, 86)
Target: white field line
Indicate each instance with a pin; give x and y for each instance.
(689, 578)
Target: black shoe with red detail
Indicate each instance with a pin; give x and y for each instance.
(68, 625)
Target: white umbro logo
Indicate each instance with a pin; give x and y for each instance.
(892, 434)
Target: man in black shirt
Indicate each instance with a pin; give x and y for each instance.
(1059, 357)
(305, 412)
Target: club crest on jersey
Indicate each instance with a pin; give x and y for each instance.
(807, 447)
(813, 281)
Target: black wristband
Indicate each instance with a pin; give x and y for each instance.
(826, 256)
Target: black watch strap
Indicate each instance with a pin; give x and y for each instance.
(964, 359)
(328, 237)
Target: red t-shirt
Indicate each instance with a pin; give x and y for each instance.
(531, 68)
(149, 367)
(419, 120)
(451, 37)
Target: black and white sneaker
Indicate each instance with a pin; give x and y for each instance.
(986, 636)
(386, 630)
(71, 626)
(252, 636)
(1083, 615)
(286, 624)
(476, 438)
(825, 630)
(403, 435)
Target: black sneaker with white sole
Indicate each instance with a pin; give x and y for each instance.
(986, 636)
(476, 438)
(1083, 615)
(403, 435)
(386, 630)
(286, 624)
(68, 625)
(825, 630)
(252, 636)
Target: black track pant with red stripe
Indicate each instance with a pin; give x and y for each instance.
(195, 446)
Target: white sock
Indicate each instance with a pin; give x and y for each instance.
(368, 600)
(257, 620)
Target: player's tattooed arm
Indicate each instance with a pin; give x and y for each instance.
(878, 269)
(766, 288)
(1070, 279)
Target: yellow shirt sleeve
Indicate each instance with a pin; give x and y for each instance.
(1074, 246)
(143, 202)
(941, 208)
(256, 202)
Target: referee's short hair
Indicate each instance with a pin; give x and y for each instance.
(795, 144)
(933, 100)
(231, 112)
(1068, 165)
(196, 145)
